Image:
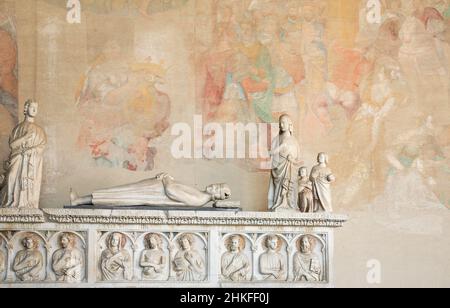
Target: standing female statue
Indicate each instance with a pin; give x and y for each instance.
(322, 177)
(285, 161)
(22, 182)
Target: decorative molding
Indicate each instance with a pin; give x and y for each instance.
(17, 215)
(146, 217)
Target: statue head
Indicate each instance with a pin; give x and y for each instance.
(116, 241)
(153, 241)
(219, 191)
(322, 158)
(286, 124)
(30, 241)
(30, 108)
(303, 172)
(306, 244)
(272, 242)
(67, 240)
(235, 243)
(186, 241)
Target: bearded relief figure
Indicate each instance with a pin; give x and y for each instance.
(307, 263)
(68, 262)
(235, 263)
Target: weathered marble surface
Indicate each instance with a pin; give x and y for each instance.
(179, 239)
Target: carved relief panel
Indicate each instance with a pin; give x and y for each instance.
(274, 257)
(44, 256)
(152, 256)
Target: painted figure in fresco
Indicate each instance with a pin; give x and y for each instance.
(407, 159)
(153, 259)
(123, 110)
(307, 264)
(162, 190)
(235, 263)
(29, 263)
(68, 262)
(305, 192)
(322, 177)
(22, 183)
(8, 68)
(272, 264)
(188, 263)
(284, 99)
(421, 63)
(285, 161)
(116, 263)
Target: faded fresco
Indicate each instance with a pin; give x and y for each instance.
(8, 76)
(126, 7)
(122, 109)
(367, 81)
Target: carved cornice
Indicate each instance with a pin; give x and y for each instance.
(13, 215)
(144, 217)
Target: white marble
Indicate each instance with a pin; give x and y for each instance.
(169, 249)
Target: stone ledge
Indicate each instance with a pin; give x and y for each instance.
(14, 215)
(194, 218)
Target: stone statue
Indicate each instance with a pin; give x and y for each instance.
(116, 263)
(322, 177)
(160, 191)
(153, 259)
(29, 262)
(285, 161)
(68, 261)
(235, 263)
(272, 264)
(307, 264)
(305, 192)
(21, 185)
(188, 263)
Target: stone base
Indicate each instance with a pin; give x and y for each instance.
(209, 235)
(15, 215)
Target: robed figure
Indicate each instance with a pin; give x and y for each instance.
(21, 185)
(283, 191)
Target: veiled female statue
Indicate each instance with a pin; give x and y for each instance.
(22, 182)
(285, 161)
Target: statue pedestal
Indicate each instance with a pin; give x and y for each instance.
(209, 233)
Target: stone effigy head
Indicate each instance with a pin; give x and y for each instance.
(322, 158)
(306, 244)
(67, 240)
(236, 243)
(153, 241)
(303, 172)
(30, 108)
(116, 241)
(219, 191)
(272, 242)
(30, 241)
(286, 124)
